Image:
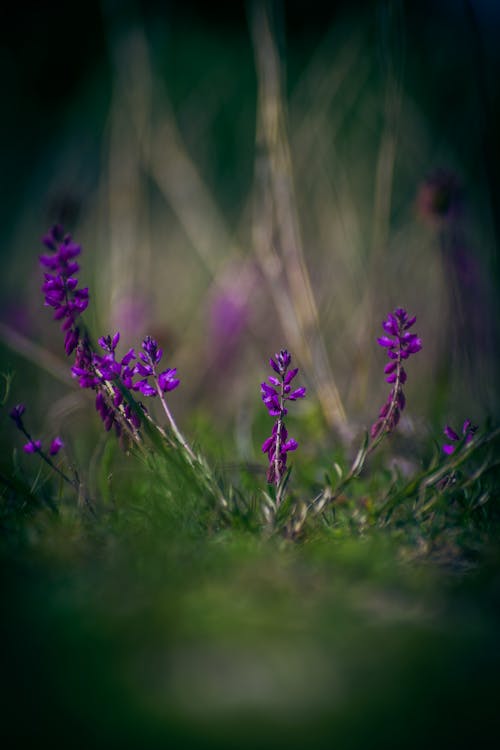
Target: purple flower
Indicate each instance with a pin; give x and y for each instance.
(274, 394)
(400, 345)
(167, 380)
(105, 374)
(34, 446)
(152, 352)
(56, 446)
(60, 284)
(147, 368)
(468, 430)
(16, 414)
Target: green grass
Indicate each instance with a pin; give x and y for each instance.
(165, 622)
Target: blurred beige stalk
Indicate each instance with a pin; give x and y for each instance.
(140, 145)
(130, 258)
(276, 233)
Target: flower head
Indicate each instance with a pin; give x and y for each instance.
(400, 345)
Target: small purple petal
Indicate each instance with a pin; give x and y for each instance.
(144, 387)
(34, 446)
(167, 380)
(450, 433)
(16, 413)
(298, 393)
(274, 366)
(129, 356)
(266, 445)
(386, 341)
(55, 446)
(290, 376)
(391, 325)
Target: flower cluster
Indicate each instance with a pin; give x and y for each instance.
(275, 394)
(400, 344)
(468, 431)
(149, 358)
(108, 376)
(61, 285)
(32, 446)
(102, 372)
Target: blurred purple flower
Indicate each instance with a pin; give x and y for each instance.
(132, 314)
(274, 395)
(229, 311)
(16, 413)
(468, 431)
(34, 446)
(56, 446)
(400, 345)
(439, 198)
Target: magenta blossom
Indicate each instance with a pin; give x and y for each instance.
(33, 446)
(274, 395)
(61, 284)
(400, 345)
(468, 431)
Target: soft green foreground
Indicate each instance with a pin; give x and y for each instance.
(158, 626)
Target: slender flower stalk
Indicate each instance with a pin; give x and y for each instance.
(400, 345)
(35, 446)
(275, 394)
(164, 382)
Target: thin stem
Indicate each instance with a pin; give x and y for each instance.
(178, 434)
(46, 458)
(384, 429)
(277, 451)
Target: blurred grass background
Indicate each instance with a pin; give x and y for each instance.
(245, 177)
(251, 177)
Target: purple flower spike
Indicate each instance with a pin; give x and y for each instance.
(468, 431)
(274, 395)
(400, 345)
(60, 284)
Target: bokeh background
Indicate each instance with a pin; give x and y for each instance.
(244, 177)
